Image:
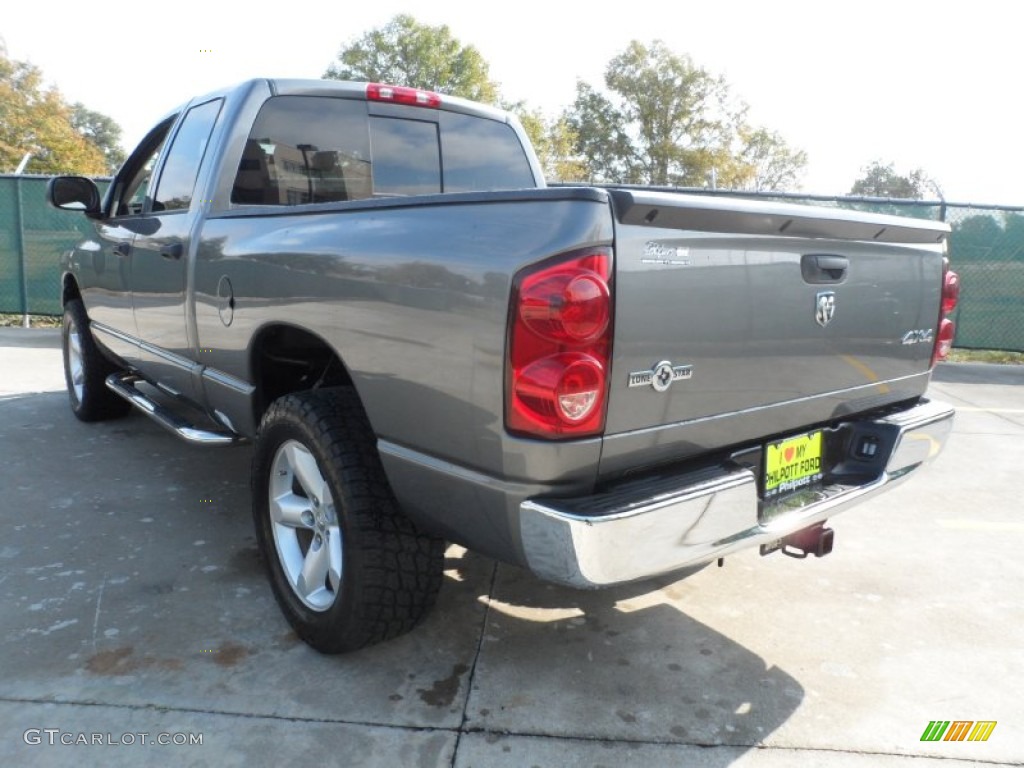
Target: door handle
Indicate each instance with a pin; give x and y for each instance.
(823, 267)
(172, 251)
(124, 248)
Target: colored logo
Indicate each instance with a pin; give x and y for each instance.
(959, 730)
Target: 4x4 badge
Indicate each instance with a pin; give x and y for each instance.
(825, 307)
(661, 376)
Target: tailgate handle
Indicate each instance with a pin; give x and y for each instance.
(823, 267)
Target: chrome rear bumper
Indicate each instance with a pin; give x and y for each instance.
(650, 527)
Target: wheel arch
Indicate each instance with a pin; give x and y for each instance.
(69, 290)
(286, 358)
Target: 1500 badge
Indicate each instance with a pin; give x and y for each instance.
(666, 255)
(661, 376)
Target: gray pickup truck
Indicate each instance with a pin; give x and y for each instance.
(425, 343)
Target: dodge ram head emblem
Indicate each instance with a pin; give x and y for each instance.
(825, 307)
(661, 376)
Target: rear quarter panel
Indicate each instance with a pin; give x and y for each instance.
(413, 296)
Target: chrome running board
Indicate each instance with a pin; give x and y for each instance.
(124, 385)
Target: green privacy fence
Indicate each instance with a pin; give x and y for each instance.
(986, 248)
(32, 237)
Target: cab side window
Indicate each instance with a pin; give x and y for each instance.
(139, 186)
(305, 149)
(131, 187)
(177, 181)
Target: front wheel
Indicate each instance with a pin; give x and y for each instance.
(85, 369)
(346, 566)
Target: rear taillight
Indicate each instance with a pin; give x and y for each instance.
(947, 328)
(399, 94)
(944, 340)
(559, 347)
(950, 290)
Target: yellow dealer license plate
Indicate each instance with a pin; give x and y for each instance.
(792, 464)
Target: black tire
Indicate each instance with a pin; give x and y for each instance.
(389, 572)
(90, 399)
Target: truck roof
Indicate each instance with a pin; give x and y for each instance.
(350, 90)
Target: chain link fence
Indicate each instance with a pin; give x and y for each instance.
(32, 237)
(986, 249)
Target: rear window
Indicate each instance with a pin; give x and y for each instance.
(314, 149)
(406, 156)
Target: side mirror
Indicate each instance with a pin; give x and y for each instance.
(74, 193)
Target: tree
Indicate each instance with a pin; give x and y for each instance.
(977, 238)
(102, 131)
(878, 180)
(36, 120)
(1013, 224)
(666, 121)
(769, 163)
(599, 128)
(405, 52)
(554, 143)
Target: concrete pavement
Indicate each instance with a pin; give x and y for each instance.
(132, 601)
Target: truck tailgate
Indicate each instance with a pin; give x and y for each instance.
(771, 317)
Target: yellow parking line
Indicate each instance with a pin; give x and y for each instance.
(963, 524)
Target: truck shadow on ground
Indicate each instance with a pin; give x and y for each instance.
(624, 663)
(129, 577)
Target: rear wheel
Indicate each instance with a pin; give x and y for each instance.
(86, 369)
(346, 566)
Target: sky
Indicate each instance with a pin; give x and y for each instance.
(931, 85)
